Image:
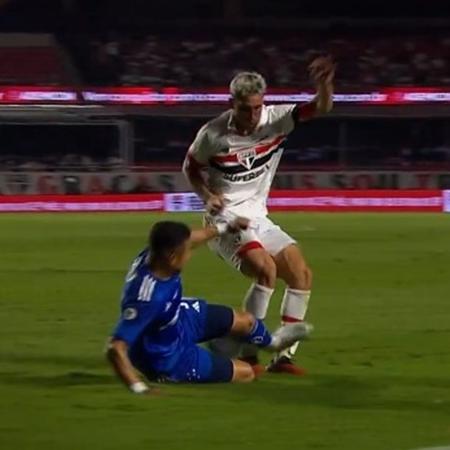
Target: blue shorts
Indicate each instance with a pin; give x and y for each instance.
(200, 322)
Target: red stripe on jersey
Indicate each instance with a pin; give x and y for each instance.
(252, 245)
(260, 149)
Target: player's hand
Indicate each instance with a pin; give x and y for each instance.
(215, 204)
(240, 223)
(322, 70)
(152, 391)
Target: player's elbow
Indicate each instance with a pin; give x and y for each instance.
(324, 107)
(192, 169)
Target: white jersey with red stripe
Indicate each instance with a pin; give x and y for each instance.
(239, 167)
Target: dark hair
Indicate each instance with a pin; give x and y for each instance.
(166, 236)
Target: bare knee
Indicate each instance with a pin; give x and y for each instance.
(242, 372)
(243, 323)
(300, 278)
(304, 278)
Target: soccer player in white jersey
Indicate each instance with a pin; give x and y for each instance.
(241, 150)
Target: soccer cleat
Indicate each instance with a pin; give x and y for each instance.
(283, 364)
(288, 335)
(258, 368)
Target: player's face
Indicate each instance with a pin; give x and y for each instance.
(247, 111)
(181, 256)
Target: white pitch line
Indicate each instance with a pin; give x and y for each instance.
(433, 448)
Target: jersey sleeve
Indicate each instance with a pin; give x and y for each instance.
(285, 117)
(135, 317)
(201, 148)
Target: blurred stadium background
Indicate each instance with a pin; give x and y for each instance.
(130, 87)
(99, 101)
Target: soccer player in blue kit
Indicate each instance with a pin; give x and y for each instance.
(158, 331)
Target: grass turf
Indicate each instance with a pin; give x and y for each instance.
(379, 362)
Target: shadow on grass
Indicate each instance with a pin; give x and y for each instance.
(75, 378)
(85, 361)
(395, 393)
(364, 391)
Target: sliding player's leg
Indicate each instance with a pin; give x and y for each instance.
(198, 365)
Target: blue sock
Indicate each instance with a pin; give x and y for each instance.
(259, 335)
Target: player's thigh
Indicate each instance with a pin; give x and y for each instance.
(292, 267)
(272, 237)
(203, 321)
(258, 264)
(234, 247)
(198, 365)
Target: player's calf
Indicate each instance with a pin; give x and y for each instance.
(242, 372)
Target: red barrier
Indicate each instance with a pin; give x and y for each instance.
(81, 203)
(357, 200)
(332, 200)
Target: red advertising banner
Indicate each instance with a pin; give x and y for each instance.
(81, 203)
(357, 200)
(176, 95)
(325, 201)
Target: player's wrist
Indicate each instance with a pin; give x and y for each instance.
(139, 387)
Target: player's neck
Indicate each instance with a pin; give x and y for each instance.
(161, 270)
(244, 131)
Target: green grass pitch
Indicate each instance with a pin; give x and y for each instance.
(379, 361)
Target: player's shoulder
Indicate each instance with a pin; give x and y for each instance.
(218, 125)
(145, 288)
(275, 112)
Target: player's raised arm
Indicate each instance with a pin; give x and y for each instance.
(322, 71)
(117, 354)
(203, 235)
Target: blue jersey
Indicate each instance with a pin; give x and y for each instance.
(150, 310)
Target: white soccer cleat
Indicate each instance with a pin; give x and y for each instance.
(288, 335)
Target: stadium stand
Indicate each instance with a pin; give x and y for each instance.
(34, 59)
(370, 60)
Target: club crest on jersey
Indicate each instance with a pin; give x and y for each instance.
(246, 158)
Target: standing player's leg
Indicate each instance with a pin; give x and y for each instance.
(246, 254)
(294, 271)
(258, 265)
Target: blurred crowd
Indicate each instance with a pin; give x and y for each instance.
(363, 59)
(49, 162)
(323, 157)
(162, 142)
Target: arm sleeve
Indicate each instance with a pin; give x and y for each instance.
(134, 319)
(201, 148)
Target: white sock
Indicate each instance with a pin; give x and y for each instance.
(256, 302)
(293, 309)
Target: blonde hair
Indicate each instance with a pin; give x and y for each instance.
(247, 83)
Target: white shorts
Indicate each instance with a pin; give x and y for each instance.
(262, 233)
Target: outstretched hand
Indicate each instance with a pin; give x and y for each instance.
(322, 69)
